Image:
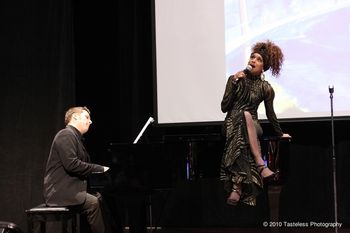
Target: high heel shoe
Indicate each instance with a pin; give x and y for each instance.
(234, 196)
(261, 168)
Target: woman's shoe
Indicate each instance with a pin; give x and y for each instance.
(234, 196)
(265, 172)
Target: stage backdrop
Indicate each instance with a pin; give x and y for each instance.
(200, 43)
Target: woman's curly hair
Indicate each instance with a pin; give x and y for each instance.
(272, 56)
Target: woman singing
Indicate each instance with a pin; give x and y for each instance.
(242, 167)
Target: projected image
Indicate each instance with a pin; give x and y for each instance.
(315, 38)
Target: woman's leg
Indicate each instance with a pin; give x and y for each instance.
(235, 195)
(254, 146)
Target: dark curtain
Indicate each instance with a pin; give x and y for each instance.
(55, 54)
(114, 68)
(37, 85)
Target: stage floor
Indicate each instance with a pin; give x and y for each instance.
(250, 230)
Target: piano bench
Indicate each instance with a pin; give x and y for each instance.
(42, 214)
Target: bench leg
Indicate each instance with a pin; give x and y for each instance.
(42, 219)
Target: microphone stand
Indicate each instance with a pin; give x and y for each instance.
(149, 121)
(331, 90)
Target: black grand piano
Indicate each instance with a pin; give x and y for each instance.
(174, 182)
(143, 176)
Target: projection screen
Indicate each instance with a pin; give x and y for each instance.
(199, 43)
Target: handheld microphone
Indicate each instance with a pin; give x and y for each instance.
(248, 69)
